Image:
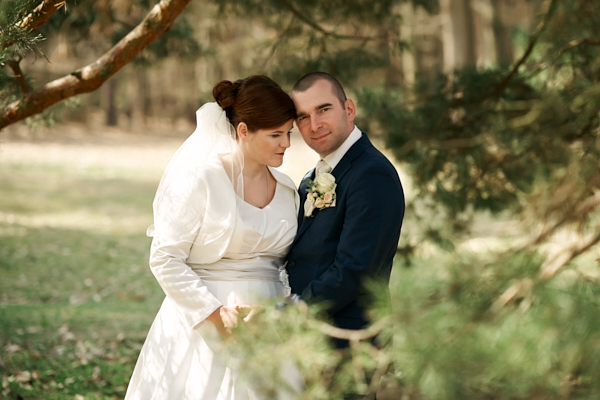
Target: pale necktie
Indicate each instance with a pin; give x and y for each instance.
(322, 167)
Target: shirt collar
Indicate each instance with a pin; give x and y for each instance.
(334, 158)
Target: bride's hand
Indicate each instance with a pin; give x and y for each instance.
(224, 318)
(249, 310)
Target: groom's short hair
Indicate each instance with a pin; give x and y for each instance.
(309, 79)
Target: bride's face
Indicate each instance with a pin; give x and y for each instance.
(265, 146)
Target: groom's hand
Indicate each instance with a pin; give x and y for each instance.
(293, 299)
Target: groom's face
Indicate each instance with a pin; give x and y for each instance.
(322, 119)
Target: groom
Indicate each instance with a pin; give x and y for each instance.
(343, 242)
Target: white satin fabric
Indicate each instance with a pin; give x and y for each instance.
(182, 356)
(178, 207)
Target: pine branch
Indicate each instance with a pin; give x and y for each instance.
(353, 335)
(319, 28)
(92, 76)
(576, 43)
(383, 363)
(574, 214)
(450, 144)
(38, 17)
(555, 263)
(19, 76)
(532, 42)
(579, 42)
(359, 372)
(514, 291)
(550, 267)
(586, 277)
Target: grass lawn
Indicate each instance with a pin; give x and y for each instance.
(76, 295)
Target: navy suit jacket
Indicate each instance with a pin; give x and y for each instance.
(341, 247)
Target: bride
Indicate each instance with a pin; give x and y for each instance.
(223, 222)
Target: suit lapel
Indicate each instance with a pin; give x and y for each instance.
(338, 172)
(303, 227)
(353, 152)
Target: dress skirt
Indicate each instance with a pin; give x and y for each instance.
(178, 362)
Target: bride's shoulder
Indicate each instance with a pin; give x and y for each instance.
(287, 182)
(283, 178)
(213, 168)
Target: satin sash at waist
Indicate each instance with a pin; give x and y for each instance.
(255, 268)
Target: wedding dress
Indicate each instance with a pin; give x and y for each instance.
(181, 358)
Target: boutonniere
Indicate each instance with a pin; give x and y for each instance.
(320, 193)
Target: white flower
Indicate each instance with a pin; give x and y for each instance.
(321, 194)
(309, 205)
(325, 183)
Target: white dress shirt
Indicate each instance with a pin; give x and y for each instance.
(334, 158)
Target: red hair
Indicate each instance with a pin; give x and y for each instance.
(257, 100)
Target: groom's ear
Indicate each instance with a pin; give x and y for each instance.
(350, 110)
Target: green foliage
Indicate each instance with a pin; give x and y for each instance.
(450, 344)
(276, 344)
(178, 42)
(325, 36)
(469, 149)
(333, 60)
(449, 341)
(431, 6)
(23, 43)
(331, 12)
(482, 139)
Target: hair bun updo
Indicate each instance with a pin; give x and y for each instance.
(256, 100)
(225, 93)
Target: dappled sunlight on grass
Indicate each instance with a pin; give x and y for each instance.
(85, 220)
(57, 352)
(76, 294)
(123, 155)
(55, 197)
(74, 267)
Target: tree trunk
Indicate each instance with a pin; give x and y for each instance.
(409, 64)
(485, 42)
(504, 50)
(457, 33)
(108, 100)
(140, 97)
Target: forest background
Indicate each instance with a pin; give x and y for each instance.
(488, 108)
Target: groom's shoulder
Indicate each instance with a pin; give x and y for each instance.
(372, 157)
